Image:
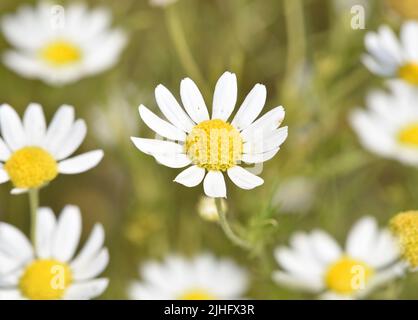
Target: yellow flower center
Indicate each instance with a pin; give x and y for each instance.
(31, 167)
(61, 53)
(197, 294)
(45, 280)
(409, 135)
(346, 276)
(214, 145)
(409, 73)
(405, 227)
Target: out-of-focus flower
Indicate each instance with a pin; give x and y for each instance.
(32, 155)
(50, 270)
(295, 195)
(201, 278)
(161, 3)
(405, 227)
(61, 45)
(213, 145)
(207, 208)
(315, 262)
(405, 8)
(390, 127)
(389, 57)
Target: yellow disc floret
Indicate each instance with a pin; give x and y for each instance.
(31, 167)
(409, 135)
(346, 276)
(405, 227)
(45, 280)
(214, 145)
(60, 53)
(409, 73)
(197, 294)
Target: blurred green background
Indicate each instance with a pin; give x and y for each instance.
(308, 57)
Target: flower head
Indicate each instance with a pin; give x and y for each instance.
(201, 278)
(49, 270)
(32, 154)
(317, 264)
(390, 127)
(212, 144)
(61, 45)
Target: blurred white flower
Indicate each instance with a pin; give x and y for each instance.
(32, 154)
(405, 228)
(61, 45)
(49, 270)
(295, 195)
(161, 3)
(201, 278)
(390, 127)
(213, 145)
(315, 263)
(389, 57)
(207, 208)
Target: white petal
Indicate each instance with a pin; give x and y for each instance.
(86, 290)
(10, 294)
(7, 264)
(308, 284)
(67, 234)
(172, 110)
(225, 96)
(259, 157)
(93, 267)
(73, 140)
(4, 176)
(16, 191)
(80, 163)
(251, 107)
(243, 178)
(297, 264)
(191, 177)
(14, 243)
(173, 161)
(266, 144)
(325, 247)
(91, 248)
(157, 147)
(193, 101)
(59, 128)
(163, 128)
(34, 124)
(45, 228)
(362, 238)
(12, 128)
(214, 185)
(4, 151)
(268, 122)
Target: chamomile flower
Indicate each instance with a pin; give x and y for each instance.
(391, 57)
(32, 154)
(213, 145)
(389, 128)
(201, 278)
(316, 263)
(49, 270)
(61, 45)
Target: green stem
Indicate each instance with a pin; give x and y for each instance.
(34, 204)
(227, 228)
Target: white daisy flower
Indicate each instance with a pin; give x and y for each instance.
(32, 155)
(61, 45)
(213, 145)
(315, 263)
(50, 270)
(390, 127)
(389, 57)
(201, 278)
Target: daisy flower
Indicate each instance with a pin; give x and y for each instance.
(389, 128)
(49, 270)
(405, 228)
(32, 155)
(61, 45)
(315, 263)
(212, 144)
(201, 278)
(391, 57)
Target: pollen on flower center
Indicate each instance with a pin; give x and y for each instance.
(409, 73)
(214, 145)
(45, 280)
(347, 275)
(197, 294)
(409, 135)
(60, 53)
(405, 227)
(31, 167)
